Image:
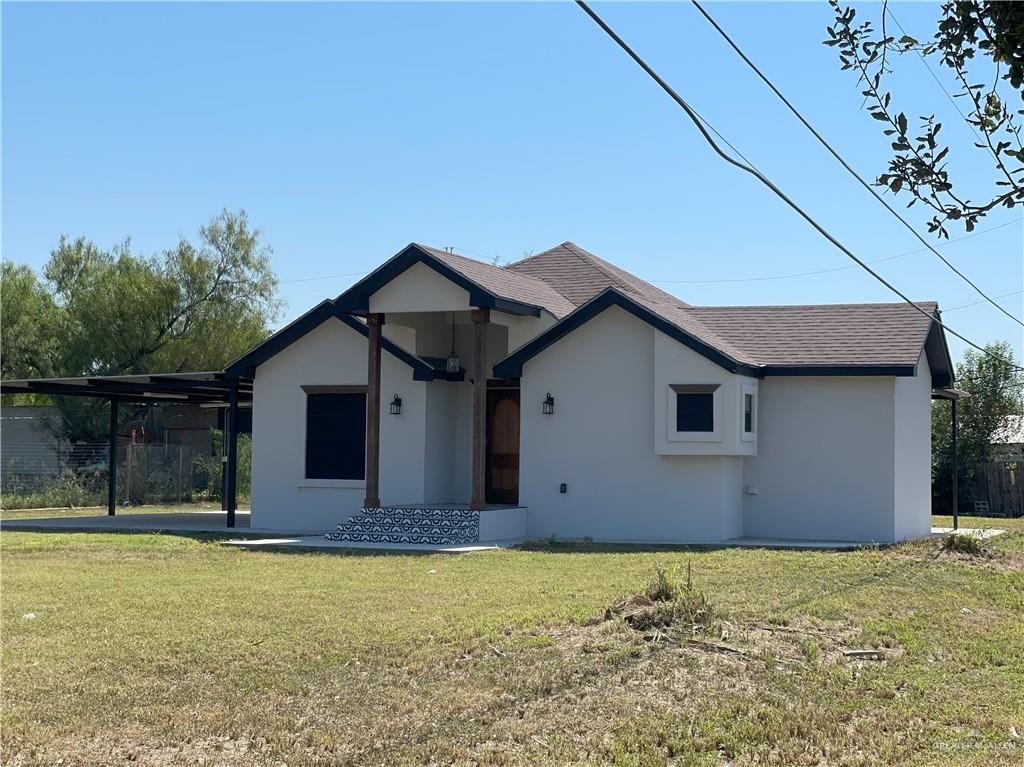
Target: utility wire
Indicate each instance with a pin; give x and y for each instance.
(698, 121)
(845, 268)
(975, 303)
(975, 233)
(886, 10)
(846, 165)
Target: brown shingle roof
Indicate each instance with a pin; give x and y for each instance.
(836, 334)
(861, 335)
(579, 275)
(524, 288)
(830, 335)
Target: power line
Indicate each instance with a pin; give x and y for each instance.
(935, 77)
(975, 303)
(323, 277)
(843, 268)
(846, 165)
(698, 121)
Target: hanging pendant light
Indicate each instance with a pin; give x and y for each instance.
(453, 364)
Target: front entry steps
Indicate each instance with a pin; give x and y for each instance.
(435, 525)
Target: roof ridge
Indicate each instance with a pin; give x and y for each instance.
(503, 269)
(587, 257)
(712, 336)
(813, 306)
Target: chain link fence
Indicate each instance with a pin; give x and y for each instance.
(46, 473)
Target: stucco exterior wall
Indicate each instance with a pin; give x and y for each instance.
(332, 354)
(913, 449)
(600, 442)
(675, 363)
(440, 460)
(825, 463)
(419, 289)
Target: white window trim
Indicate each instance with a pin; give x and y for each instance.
(332, 484)
(694, 436)
(751, 389)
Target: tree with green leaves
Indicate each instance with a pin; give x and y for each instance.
(196, 306)
(995, 390)
(980, 45)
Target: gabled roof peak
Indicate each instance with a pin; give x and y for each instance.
(579, 275)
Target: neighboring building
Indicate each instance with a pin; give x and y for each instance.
(30, 445)
(561, 396)
(1008, 439)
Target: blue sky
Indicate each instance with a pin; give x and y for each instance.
(349, 130)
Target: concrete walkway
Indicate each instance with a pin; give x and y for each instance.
(311, 540)
(321, 544)
(127, 522)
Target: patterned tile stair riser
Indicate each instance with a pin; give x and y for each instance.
(405, 524)
(408, 519)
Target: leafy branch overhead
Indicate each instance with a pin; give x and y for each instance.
(971, 36)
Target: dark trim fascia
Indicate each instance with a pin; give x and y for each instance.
(285, 337)
(694, 388)
(246, 365)
(357, 298)
(512, 365)
(936, 350)
(421, 371)
(333, 389)
(838, 370)
(440, 370)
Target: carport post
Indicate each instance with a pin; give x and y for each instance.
(231, 449)
(112, 460)
(956, 494)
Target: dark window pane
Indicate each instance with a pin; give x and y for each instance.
(695, 412)
(335, 436)
(748, 413)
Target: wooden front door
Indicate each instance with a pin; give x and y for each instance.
(502, 470)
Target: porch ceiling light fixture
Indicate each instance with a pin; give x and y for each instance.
(396, 405)
(453, 364)
(548, 406)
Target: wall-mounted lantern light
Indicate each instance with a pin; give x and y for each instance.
(549, 405)
(396, 405)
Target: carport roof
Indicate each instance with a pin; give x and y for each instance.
(209, 386)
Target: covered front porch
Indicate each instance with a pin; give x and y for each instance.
(419, 303)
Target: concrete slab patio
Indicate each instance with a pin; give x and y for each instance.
(256, 538)
(127, 522)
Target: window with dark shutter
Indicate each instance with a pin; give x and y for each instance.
(695, 407)
(695, 412)
(748, 413)
(335, 435)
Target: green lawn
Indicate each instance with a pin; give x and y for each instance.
(164, 650)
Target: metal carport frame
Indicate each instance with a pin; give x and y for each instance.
(212, 387)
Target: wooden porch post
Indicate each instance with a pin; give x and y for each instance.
(112, 461)
(372, 500)
(481, 317)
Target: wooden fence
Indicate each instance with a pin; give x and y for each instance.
(1000, 484)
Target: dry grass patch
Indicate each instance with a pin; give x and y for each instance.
(158, 650)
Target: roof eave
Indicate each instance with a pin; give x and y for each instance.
(356, 299)
(247, 364)
(512, 365)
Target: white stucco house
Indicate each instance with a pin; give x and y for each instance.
(442, 399)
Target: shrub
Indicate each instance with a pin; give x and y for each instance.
(962, 543)
(666, 602)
